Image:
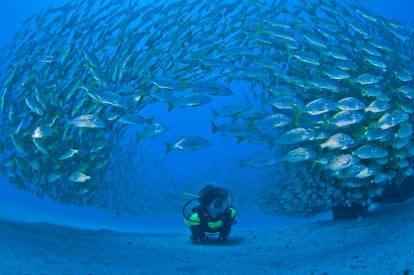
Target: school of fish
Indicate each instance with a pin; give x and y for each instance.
(328, 93)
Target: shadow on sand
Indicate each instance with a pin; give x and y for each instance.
(213, 240)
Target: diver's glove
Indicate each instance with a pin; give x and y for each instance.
(227, 223)
(197, 233)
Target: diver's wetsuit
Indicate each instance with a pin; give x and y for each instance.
(214, 214)
(200, 222)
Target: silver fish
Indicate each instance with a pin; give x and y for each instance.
(152, 130)
(188, 143)
(295, 135)
(87, 121)
(346, 118)
(338, 141)
(69, 154)
(367, 151)
(299, 154)
(79, 177)
(319, 106)
(273, 121)
(342, 161)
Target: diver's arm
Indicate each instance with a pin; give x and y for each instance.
(197, 223)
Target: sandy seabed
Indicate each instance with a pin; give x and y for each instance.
(381, 243)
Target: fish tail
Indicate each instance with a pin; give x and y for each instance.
(242, 163)
(214, 127)
(298, 113)
(170, 106)
(215, 113)
(169, 146)
(184, 85)
(149, 120)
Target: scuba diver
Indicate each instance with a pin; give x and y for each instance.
(214, 214)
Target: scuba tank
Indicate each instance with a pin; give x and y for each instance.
(206, 196)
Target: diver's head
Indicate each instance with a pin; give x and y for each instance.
(210, 192)
(217, 207)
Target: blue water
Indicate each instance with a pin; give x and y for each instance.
(192, 170)
(24, 206)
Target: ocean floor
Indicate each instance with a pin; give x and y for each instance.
(381, 243)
